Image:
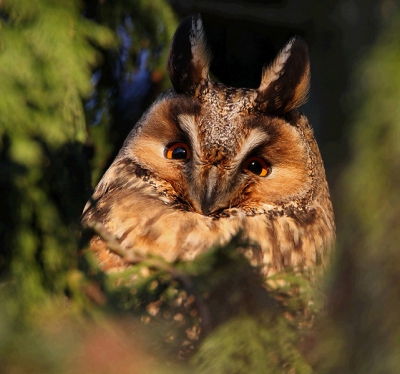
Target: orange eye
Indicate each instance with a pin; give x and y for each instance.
(257, 166)
(178, 151)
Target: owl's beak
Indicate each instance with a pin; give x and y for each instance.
(211, 196)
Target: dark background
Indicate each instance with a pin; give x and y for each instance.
(246, 35)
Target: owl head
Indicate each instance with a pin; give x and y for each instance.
(216, 147)
(207, 160)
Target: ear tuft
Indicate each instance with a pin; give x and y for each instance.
(285, 83)
(189, 57)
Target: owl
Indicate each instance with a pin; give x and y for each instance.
(208, 161)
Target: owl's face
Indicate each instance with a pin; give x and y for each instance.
(219, 147)
(221, 155)
(207, 161)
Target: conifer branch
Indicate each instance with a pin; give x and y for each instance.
(131, 257)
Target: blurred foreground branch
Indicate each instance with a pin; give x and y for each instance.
(131, 257)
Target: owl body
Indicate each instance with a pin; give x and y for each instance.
(208, 161)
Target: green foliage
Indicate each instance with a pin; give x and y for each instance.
(250, 324)
(19, 350)
(46, 53)
(154, 24)
(46, 57)
(251, 345)
(364, 326)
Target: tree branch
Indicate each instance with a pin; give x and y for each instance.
(131, 257)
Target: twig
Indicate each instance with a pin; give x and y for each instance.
(114, 245)
(131, 257)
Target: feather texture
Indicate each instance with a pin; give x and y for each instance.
(248, 162)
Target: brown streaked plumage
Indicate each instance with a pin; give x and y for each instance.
(246, 160)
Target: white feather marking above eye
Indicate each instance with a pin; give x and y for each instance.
(200, 52)
(188, 124)
(256, 138)
(274, 71)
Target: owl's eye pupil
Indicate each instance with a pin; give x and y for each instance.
(178, 151)
(257, 166)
